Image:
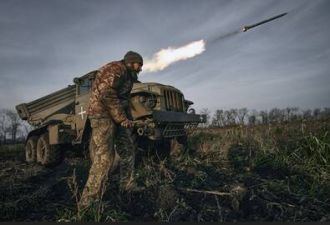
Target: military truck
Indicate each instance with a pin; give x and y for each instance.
(160, 113)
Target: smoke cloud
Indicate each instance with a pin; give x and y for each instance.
(166, 57)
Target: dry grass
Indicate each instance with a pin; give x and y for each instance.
(262, 173)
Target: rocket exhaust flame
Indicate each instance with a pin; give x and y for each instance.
(166, 57)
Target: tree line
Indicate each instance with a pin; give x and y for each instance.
(244, 116)
(12, 128)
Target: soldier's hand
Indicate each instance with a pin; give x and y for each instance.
(127, 123)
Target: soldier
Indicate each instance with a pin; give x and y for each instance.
(109, 113)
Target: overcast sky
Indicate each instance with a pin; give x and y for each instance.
(44, 44)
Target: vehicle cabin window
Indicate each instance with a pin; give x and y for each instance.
(85, 86)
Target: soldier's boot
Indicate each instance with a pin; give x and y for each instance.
(130, 186)
(86, 204)
(126, 147)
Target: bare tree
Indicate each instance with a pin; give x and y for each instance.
(316, 113)
(295, 115)
(253, 117)
(207, 112)
(276, 116)
(326, 114)
(282, 118)
(287, 114)
(273, 114)
(219, 119)
(14, 123)
(242, 113)
(235, 114)
(307, 114)
(3, 125)
(264, 117)
(230, 116)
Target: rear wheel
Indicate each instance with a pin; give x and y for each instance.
(48, 155)
(31, 149)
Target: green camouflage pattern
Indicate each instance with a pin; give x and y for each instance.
(102, 146)
(107, 138)
(111, 92)
(126, 147)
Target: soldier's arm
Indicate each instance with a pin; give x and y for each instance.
(111, 81)
(135, 78)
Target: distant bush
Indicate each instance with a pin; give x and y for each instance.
(12, 151)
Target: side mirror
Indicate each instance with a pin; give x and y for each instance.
(76, 80)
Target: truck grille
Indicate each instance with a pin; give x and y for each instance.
(173, 101)
(175, 130)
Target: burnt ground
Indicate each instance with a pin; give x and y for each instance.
(194, 188)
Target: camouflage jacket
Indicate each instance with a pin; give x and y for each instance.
(111, 92)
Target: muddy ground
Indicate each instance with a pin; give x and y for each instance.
(191, 189)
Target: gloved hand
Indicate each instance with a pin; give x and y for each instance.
(127, 123)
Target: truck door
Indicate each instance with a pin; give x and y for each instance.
(81, 105)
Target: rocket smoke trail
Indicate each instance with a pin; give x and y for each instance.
(167, 57)
(224, 36)
(171, 55)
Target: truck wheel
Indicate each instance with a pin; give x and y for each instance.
(48, 155)
(178, 147)
(31, 149)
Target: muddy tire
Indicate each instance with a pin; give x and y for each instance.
(178, 146)
(48, 155)
(31, 149)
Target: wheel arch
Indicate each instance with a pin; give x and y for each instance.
(36, 132)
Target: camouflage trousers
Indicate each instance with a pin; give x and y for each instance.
(107, 137)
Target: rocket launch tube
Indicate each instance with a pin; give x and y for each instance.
(246, 28)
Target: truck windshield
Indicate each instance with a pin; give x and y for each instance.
(85, 86)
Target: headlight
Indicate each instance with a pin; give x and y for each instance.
(149, 101)
(142, 99)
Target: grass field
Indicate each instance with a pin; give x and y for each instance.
(261, 173)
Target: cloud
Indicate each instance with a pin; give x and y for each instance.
(45, 44)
